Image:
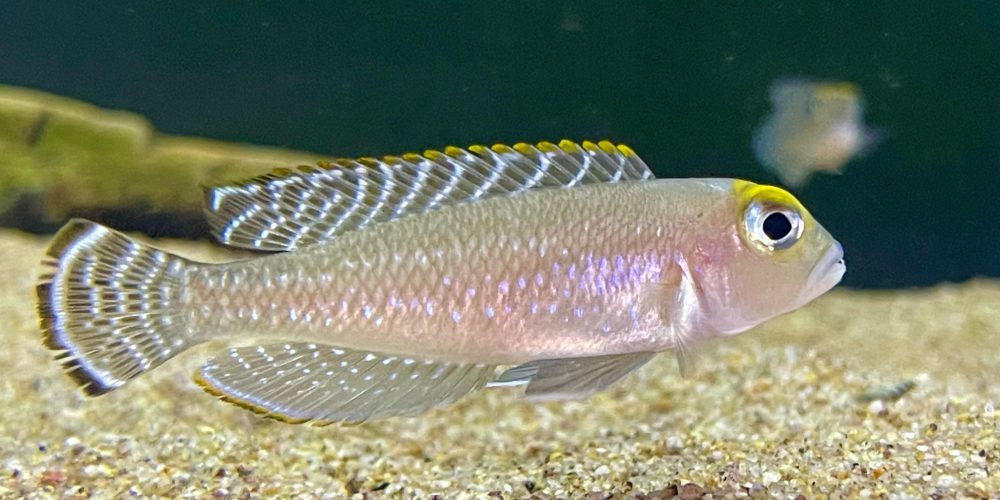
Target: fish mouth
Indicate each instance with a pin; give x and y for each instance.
(825, 274)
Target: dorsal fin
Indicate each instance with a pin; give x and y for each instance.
(292, 208)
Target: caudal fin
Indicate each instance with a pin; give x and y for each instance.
(109, 305)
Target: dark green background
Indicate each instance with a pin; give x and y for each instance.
(685, 84)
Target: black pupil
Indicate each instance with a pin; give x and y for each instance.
(777, 226)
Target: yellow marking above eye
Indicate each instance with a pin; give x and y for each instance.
(767, 196)
(762, 193)
(836, 90)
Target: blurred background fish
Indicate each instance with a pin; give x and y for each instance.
(814, 126)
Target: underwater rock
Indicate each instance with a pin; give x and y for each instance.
(61, 157)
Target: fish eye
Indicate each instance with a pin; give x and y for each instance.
(773, 227)
(776, 226)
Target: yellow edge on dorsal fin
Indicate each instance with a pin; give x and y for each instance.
(368, 161)
(524, 148)
(548, 147)
(501, 148)
(627, 151)
(433, 154)
(569, 146)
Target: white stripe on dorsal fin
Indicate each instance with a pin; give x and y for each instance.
(303, 382)
(292, 208)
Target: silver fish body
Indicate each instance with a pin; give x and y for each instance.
(404, 283)
(550, 274)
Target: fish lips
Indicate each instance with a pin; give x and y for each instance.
(825, 274)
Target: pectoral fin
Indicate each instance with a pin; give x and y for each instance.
(302, 382)
(571, 378)
(687, 359)
(684, 321)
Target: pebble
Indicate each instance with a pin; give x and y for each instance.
(690, 491)
(770, 477)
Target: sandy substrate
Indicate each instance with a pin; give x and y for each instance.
(771, 412)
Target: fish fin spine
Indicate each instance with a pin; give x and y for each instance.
(292, 208)
(109, 305)
(319, 384)
(571, 378)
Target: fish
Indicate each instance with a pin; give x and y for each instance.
(814, 126)
(395, 285)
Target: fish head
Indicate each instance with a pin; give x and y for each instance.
(775, 258)
(835, 102)
(804, 102)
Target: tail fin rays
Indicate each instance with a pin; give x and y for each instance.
(109, 305)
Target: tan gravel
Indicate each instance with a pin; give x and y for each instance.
(772, 412)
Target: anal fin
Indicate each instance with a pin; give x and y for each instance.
(571, 378)
(304, 382)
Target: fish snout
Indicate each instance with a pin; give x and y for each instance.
(827, 272)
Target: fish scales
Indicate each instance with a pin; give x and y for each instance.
(551, 273)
